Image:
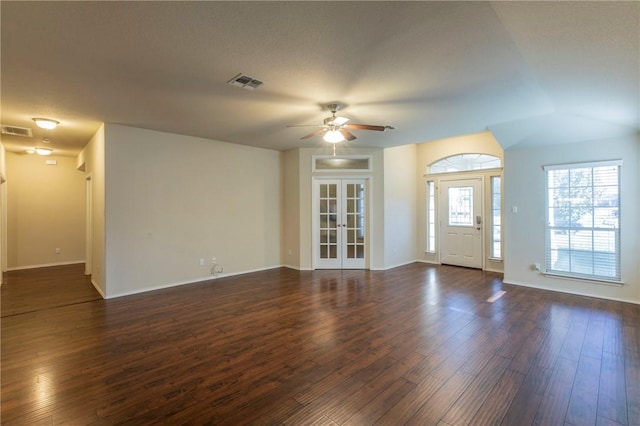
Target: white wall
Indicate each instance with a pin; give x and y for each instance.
(2, 160)
(92, 161)
(291, 209)
(3, 213)
(45, 211)
(172, 200)
(400, 210)
(524, 183)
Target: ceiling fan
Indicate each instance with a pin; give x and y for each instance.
(336, 129)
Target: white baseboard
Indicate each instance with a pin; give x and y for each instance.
(44, 265)
(98, 289)
(186, 282)
(296, 268)
(401, 264)
(576, 293)
(430, 262)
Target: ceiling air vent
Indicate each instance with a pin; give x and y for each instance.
(245, 82)
(17, 131)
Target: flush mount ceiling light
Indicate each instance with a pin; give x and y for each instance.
(46, 123)
(43, 151)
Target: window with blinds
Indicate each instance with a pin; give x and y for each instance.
(583, 220)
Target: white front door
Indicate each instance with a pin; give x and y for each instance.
(461, 222)
(340, 231)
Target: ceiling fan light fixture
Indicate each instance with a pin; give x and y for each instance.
(43, 151)
(46, 123)
(333, 136)
(339, 121)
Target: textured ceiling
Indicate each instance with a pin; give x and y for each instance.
(534, 73)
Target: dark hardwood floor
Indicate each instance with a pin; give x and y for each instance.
(45, 288)
(417, 345)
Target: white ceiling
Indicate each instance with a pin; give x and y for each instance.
(534, 73)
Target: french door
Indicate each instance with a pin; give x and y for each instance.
(340, 229)
(461, 222)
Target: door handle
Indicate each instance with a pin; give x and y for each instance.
(478, 222)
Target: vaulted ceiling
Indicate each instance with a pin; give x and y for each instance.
(533, 73)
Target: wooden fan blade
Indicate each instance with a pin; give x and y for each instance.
(305, 125)
(347, 135)
(316, 133)
(365, 127)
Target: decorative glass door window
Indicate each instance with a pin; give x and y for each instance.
(460, 206)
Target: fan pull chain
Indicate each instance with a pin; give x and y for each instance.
(334, 149)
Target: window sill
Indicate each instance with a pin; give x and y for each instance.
(591, 280)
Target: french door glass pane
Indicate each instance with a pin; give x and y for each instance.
(328, 221)
(355, 220)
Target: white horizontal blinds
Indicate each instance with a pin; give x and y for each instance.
(583, 220)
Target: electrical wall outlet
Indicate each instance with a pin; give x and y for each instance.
(214, 260)
(58, 251)
(201, 262)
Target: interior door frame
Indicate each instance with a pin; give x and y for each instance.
(3, 227)
(88, 248)
(315, 235)
(443, 203)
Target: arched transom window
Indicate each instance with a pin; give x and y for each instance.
(465, 162)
